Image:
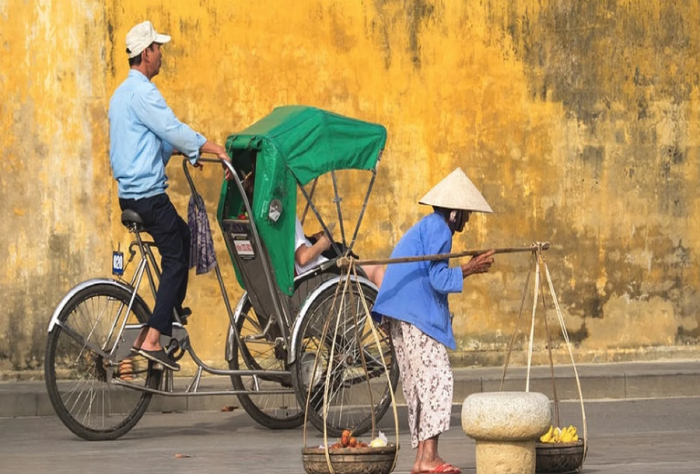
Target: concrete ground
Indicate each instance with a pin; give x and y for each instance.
(652, 436)
(642, 418)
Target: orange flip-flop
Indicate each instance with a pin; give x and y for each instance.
(444, 468)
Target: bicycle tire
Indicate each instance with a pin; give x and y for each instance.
(350, 397)
(78, 378)
(277, 412)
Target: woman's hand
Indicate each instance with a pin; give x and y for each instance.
(478, 264)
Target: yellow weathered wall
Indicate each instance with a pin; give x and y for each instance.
(54, 184)
(578, 120)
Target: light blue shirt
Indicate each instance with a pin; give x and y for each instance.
(143, 132)
(417, 292)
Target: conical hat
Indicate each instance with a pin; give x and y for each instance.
(456, 191)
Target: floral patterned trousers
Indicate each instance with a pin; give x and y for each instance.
(426, 378)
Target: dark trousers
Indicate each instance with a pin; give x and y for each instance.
(172, 238)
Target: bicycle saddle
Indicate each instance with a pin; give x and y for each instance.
(132, 219)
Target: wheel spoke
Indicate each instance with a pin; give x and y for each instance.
(85, 343)
(355, 389)
(275, 411)
(79, 367)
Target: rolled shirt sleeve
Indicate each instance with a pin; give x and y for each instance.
(166, 152)
(143, 132)
(443, 279)
(152, 111)
(417, 292)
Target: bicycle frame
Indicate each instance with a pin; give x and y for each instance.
(180, 333)
(127, 333)
(280, 306)
(148, 266)
(272, 338)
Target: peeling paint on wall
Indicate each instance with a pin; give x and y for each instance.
(578, 120)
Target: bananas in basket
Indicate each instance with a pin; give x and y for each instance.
(560, 435)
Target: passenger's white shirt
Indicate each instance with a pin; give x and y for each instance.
(299, 240)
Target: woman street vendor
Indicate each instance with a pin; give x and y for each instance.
(413, 302)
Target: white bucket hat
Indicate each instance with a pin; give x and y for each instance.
(456, 191)
(141, 36)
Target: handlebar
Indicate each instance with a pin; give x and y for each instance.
(186, 161)
(203, 159)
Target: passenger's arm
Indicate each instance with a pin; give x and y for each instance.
(305, 254)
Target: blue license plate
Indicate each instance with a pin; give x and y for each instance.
(117, 263)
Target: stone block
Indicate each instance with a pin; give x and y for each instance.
(502, 416)
(506, 426)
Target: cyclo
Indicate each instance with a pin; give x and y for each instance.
(279, 359)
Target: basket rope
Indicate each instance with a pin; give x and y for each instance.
(324, 333)
(329, 372)
(375, 334)
(509, 348)
(349, 266)
(541, 267)
(571, 354)
(337, 311)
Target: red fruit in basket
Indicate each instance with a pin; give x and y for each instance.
(336, 446)
(345, 438)
(353, 442)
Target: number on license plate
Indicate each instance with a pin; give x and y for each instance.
(117, 263)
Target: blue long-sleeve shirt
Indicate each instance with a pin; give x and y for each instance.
(143, 131)
(417, 292)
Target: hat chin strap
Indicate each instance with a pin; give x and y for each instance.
(455, 220)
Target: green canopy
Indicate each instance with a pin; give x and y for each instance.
(293, 143)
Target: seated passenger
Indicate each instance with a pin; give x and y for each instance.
(308, 255)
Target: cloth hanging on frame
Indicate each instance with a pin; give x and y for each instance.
(202, 254)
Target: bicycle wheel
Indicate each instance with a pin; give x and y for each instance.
(351, 396)
(274, 411)
(80, 374)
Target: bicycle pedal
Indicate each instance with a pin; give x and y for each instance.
(184, 314)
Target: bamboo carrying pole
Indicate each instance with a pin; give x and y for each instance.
(344, 262)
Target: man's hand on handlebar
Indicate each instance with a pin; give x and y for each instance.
(223, 156)
(220, 152)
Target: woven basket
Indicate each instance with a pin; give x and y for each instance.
(350, 460)
(559, 458)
